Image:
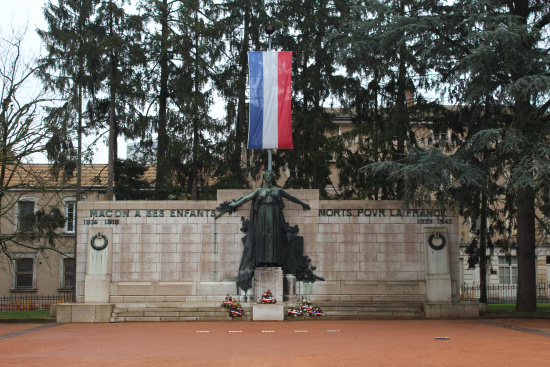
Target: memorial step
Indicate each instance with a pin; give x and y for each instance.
(167, 319)
(173, 312)
(357, 310)
(211, 311)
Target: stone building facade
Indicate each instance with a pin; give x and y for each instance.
(30, 266)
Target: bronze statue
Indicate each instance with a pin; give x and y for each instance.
(266, 242)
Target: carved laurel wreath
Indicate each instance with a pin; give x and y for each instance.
(225, 208)
(437, 247)
(105, 241)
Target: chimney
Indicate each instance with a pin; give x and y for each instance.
(409, 97)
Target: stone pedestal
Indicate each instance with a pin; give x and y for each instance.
(290, 288)
(268, 278)
(268, 312)
(97, 288)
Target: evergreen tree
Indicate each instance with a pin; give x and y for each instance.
(506, 152)
(390, 45)
(388, 49)
(503, 32)
(241, 24)
(122, 59)
(198, 47)
(160, 40)
(304, 29)
(467, 178)
(130, 183)
(487, 38)
(70, 70)
(181, 54)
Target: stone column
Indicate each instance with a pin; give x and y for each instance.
(438, 275)
(97, 285)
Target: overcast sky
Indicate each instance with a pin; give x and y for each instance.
(19, 13)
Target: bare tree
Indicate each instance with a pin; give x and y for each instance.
(22, 136)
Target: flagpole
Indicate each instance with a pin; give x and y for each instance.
(269, 29)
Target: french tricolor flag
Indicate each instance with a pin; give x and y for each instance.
(270, 96)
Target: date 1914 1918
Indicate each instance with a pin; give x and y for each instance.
(90, 222)
(434, 221)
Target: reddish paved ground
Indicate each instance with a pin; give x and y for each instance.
(533, 324)
(11, 328)
(326, 343)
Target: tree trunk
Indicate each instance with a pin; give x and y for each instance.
(527, 293)
(401, 118)
(78, 184)
(483, 250)
(241, 103)
(162, 139)
(112, 129)
(196, 124)
(4, 152)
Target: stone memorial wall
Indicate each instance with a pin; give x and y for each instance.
(157, 251)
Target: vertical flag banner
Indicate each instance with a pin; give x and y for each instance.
(270, 125)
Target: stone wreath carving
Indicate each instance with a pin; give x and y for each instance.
(95, 237)
(437, 235)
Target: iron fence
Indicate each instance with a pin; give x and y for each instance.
(32, 303)
(501, 293)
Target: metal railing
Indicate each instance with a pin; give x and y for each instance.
(32, 303)
(501, 293)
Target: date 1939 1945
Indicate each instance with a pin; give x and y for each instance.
(435, 221)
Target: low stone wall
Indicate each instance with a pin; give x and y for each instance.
(89, 312)
(451, 311)
(161, 251)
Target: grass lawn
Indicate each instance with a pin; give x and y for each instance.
(543, 309)
(27, 315)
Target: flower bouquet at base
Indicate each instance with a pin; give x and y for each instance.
(315, 312)
(294, 311)
(308, 309)
(267, 298)
(236, 310)
(228, 302)
(306, 306)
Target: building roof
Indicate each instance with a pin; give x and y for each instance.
(40, 175)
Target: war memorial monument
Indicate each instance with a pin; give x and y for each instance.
(158, 260)
(178, 252)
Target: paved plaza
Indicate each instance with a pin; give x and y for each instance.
(502, 342)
